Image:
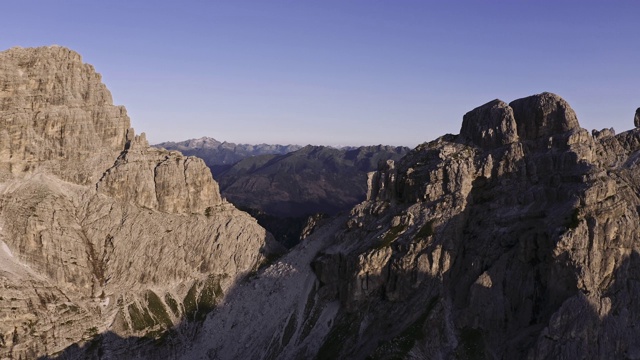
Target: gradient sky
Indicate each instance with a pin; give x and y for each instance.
(340, 72)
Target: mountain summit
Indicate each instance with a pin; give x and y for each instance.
(100, 233)
(517, 238)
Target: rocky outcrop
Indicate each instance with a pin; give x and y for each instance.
(636, 119)
(55, 114)
(100, 233)
(543, 115)
(467, 248)
(158, 179)
(490, 125)
(500, 249)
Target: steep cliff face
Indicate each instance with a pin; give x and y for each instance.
(515, 239)
(98, 231)
(314, 179)
(57, 115)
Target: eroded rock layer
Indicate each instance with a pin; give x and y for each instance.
(99, 233)
(516, 239)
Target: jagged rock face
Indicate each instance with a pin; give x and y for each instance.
(98, 231)
(490, 125)
(542, 115)
(56, 114)
(463, 249)
(636, 119)
(524, 250)
(156, 179)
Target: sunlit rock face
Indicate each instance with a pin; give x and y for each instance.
(98, 231)
(515, 239)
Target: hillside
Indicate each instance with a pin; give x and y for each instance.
(311, 180)
(290, 194)
(100, 233)
(516, 238)
(219, 156)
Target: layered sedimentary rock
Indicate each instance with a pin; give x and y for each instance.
(57, 115)
(99, 233)
(517, 238)
(488, 245)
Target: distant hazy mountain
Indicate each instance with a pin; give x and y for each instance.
(221, 155)
(311, 180)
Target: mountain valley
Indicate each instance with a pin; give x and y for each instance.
(516, 238)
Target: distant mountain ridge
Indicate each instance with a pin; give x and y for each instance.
(283, 185)
(310, 180)
(221, 155)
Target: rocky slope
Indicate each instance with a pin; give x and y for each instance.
(98, 231)
(311, 180)
(290, 193)
(517, 238)
(219, 156)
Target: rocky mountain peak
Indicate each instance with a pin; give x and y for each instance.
(100, 233)
(490, 125)
(56, 115)
(543, 115)
(636, 119)
(495, 123)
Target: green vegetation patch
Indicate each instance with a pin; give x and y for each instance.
(199, 302)
(574, 220)
(289, 330)
(140, 318)
(425, 231)
(157, 309)
(172, 303)
(312, 312)
(471, 345)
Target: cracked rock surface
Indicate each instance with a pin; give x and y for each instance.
(99, 233)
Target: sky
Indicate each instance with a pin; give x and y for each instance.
(340, 72)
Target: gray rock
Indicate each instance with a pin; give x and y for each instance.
(100, 233)
(543, 115)
(490, 125)
(636, 119)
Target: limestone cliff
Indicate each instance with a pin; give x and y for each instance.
(98, 231)
(517, 238)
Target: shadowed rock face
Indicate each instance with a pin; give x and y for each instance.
(543, 115)
(98, 231)
(486, 244)
(466, 249)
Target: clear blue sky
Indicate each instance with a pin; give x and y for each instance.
(341, 72)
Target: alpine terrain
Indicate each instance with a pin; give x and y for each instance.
(516, 238)
(98, 231)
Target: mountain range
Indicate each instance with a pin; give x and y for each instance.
(287, 188)
(219, 156)
(516, 238)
